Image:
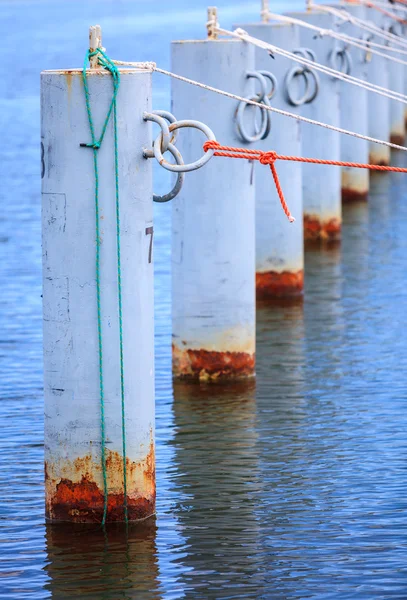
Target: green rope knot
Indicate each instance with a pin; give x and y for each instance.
(107, 64)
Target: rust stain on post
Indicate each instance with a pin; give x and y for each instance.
(349, 195)
(316, 229)
(206, 365)
(277, 285)
(78, 495)
(396, 138)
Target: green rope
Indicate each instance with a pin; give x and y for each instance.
(106, 63)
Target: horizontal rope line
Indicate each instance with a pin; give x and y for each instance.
(153, 67)
(243, 35)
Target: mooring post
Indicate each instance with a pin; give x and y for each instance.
(279, 243)
(321, 184)
(354, 107)
(98, 367)
(396, 75)
(213, 222)
(378, 105)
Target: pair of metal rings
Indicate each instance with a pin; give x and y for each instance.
(341, 60)
(165, 142)
(310, 77)
(268, 88)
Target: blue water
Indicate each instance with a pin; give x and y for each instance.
(294, 489)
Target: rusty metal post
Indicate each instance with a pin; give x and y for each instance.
(213, 222)
(73, 443)
(279, 244)
(321, 184)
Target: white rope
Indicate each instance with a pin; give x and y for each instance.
(347, 17)
(243, 35)
(348, 39)
(153, 67)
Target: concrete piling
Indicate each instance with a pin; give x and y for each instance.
(74, 442)
(354, 112)
(213, 222)
(321, 184)
(279, 244)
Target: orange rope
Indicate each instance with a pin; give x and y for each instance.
(269, 158)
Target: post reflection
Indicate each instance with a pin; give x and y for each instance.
(85, 562)
(216, 462)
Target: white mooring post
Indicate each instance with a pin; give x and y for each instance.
(75, 489)
(321, 184)
(354, 109)
(396, 76)
(279, 243)
(378, 106)
(213, 229)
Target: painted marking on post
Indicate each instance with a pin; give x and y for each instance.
(150, 231)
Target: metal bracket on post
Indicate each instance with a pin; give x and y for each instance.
(265, 11)
(95, 41)
(212, 23)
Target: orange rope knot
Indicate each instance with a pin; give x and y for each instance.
(265, 158)
(269, 158)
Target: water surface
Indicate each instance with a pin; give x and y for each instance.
(292, 489)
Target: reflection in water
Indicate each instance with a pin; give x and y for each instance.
(216, 460)
(83, 562)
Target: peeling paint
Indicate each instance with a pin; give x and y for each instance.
(273, 284)
(210, 365)
(74, 490)
(318, 229)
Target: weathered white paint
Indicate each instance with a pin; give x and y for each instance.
(71, 359)
(213, 227)
(279, 243)
(321, 184)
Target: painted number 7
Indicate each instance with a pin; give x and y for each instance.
(150, 231)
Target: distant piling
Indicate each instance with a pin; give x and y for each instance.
(279, 243)
(213, 227)
(321, 184)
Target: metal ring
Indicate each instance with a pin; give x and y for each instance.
(306, 53)
(166, 136)
(263, 97)
(307, 73)
(191, 166)
(263, 130)
(180, 177)
(308, 96)
(274, 85)
(346, 60)
(171, 119)
(263, 84)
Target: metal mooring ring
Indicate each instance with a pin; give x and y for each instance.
(346, 62)
(310, 77)
(182, 168)
(161, 117)
(180, 177)
(263, 97)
